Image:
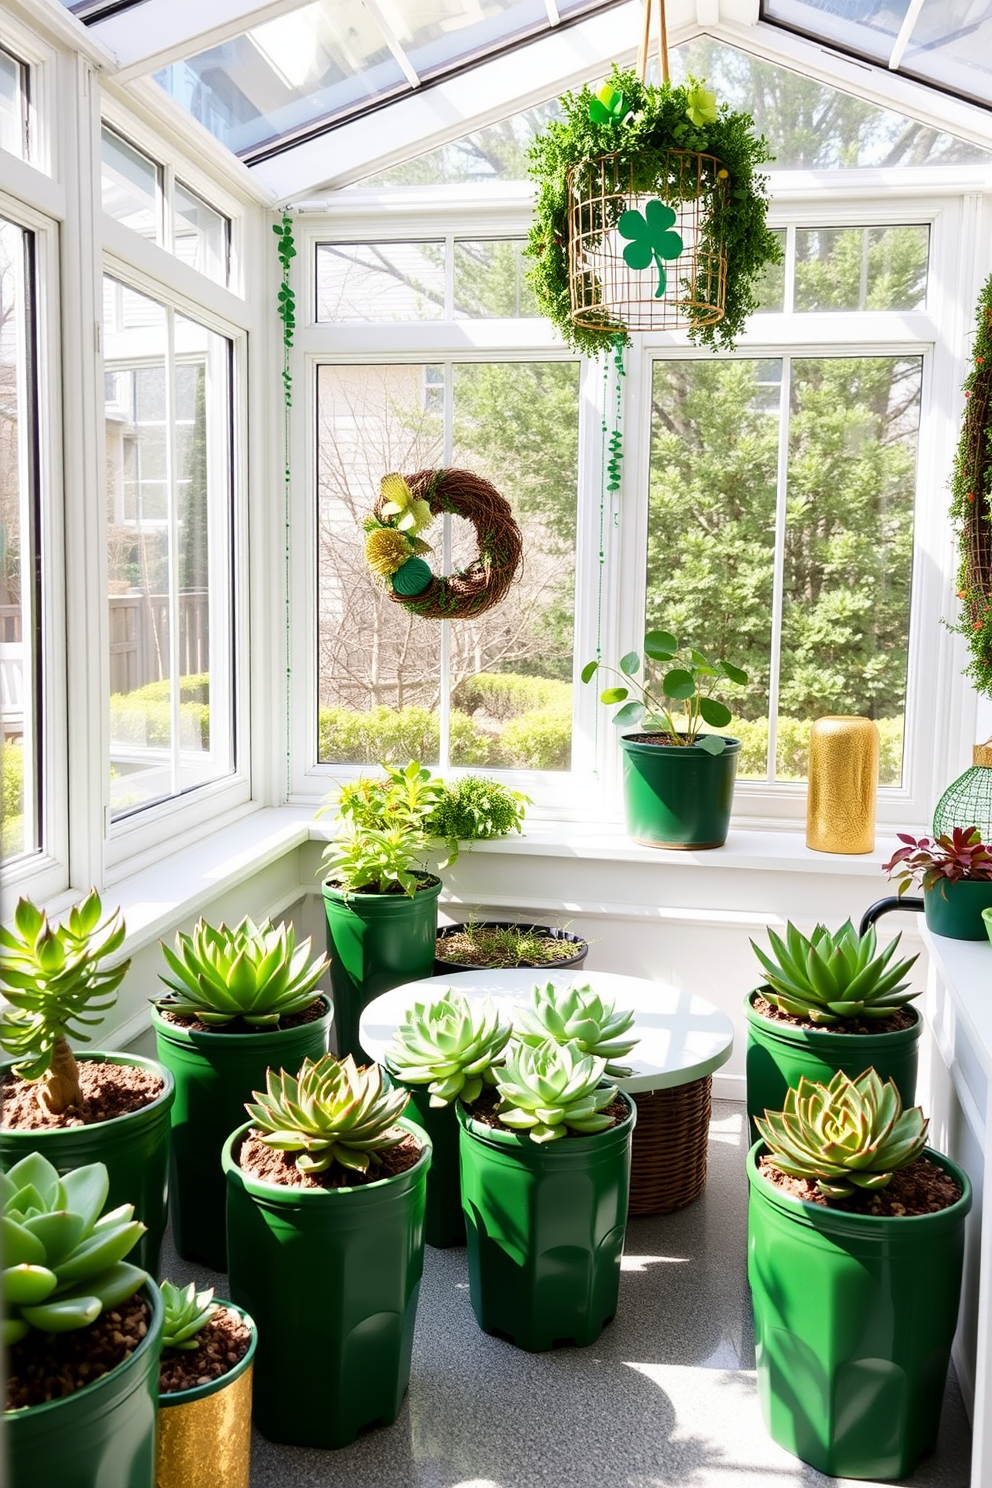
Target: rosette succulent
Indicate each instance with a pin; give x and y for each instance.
(551, 1089)
(450, 1046)
(63, 1260)
(848, 1135)
(576, 1015)
(331, 1112)
(254, 972)
(55, 985)
(834, 975)
(186, 1313)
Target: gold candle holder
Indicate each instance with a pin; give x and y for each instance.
(843, 782)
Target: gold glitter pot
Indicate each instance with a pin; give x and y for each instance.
(843, 783)
(204, 1434)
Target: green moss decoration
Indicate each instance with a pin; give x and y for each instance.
(659, 121)
(412, 577)
(971, 502)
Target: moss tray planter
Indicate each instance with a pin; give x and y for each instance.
(854, 1315)
(574, 949)
(678, 796)
(204, 1433)
(215, 1073)
(331, 1277)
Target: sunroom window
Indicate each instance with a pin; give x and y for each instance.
(14, 115)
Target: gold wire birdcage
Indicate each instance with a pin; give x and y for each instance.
(605, 291)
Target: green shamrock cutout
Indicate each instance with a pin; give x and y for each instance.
(650, 239)
(609, 106)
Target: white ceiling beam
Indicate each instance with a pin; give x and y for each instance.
(57, 24)
(149, 36)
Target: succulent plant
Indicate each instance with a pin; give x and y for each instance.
(848, 1135)
(450, 1046)
(576, 1015)
(187, 1311)
(552, 1088)
(254, 972)
(63, 1260)
(834, 975)
(330, 1112)
(54, 986)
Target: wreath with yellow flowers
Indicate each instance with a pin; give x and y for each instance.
(394, 549)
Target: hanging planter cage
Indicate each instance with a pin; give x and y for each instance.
(605, 292)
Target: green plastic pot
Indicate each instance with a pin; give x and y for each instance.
(778, 1054)
(331, 1277)
(376, 942)
(444, 1222)
(103, 1436)
(135, 1149)
(215, 1074)
(545, 1225)
(853, 1318)
(204, 1433)
(678, 796)
(955, 909)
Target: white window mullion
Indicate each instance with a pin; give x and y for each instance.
(444, 701)
(173, 556)
(778, 579)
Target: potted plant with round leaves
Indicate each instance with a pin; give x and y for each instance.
(326, 1193)
(443, 1050)
(205, 1377)
(380, 898)
(242, 999)
(678, 779)
(830, 1001)
(109, 1108)
(855, 1251)
(955, 873)
(82, 1361)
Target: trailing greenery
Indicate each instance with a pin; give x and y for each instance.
(474, 808)
(187, 1312)
(331, 1112)
(657, 122)
(833, 975)
(971, 502)
(286, 298)
(450, 1046)
(254, 972)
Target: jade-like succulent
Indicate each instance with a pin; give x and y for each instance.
(552, 1088)
(330, 1112)
(450, 1046)
(55, 985)
(576, 1015)
(834, 975)
(187, 1311)
(848, 1135)
(63, 1260)
(254, 972)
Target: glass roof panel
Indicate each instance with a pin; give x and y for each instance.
(437, 34)
(868, 27)
(952, 47)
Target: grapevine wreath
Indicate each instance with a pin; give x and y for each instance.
(394, 550)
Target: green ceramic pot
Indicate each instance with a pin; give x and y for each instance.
(103, 1436)
(135, 1149)
(955, 909)
(678, 796)
(375, 942)
(215, 1074)
(779, 1054)
(444, 1222)
(204, 1433)
(545, 1226)
(331, 1277)
(853, 1319)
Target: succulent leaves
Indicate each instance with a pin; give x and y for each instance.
(848, 1135)
(329, 1112)
(450, 1046)
(834, 975)
(63, 1260)
(576, 1014)
(254, 972)
(551, 1089)
(187, 1312)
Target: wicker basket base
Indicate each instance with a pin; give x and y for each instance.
(668, 1147)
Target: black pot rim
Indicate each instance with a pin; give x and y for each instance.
(568, 938)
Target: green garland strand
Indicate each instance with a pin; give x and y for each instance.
(971, 502)
(286, 310)
(286, 299)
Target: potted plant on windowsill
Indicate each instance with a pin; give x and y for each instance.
(82, 1329)
(109, 1108)
(955, 872)
(205, 1373)
(830, 1002)
(380, 899)
(242, 999)
(855, 1250)
(678, 782)
(325, 1195)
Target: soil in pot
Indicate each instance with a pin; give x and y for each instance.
(49, 1366)
(503, 944)
(269, 1166)
(903, 1017)
(485, 1112)
(223, 1342)
(312, 1014)
(109, 1090)
(920, 1188)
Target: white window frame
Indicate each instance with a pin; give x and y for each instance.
(951, 201)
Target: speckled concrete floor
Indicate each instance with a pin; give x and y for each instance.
(665, 1398)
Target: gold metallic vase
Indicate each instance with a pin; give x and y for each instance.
(843, 783)
(204, 1434)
